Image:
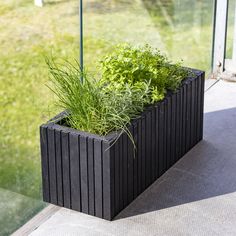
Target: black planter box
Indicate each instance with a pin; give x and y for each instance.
(94, 175)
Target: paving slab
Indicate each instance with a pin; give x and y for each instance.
(197, 196)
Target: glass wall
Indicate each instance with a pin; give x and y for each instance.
(230, 29)
(181, 29)
(28, 34)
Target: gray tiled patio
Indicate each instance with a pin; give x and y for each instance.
(197, 196)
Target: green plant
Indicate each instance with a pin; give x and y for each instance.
(92, 106)
(132, 65)
(131, 79)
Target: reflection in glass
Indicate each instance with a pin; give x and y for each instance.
(28, 34)
(181, 29)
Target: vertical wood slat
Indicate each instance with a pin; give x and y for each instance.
(117, 176)
(157, 143)
(188, 114)
(202, 104)
(143, 151)
(44, 163)
(192, 127)
(178, 124)
(198, 109)
(59, 176)
(173, 129)
(161, 140)
(153, 144)
(181, 121)
(66, 168)
(139, 156)
(168, 132)
(125, 169)
(135, 160)
(98, 168)
(130, 168)
(91, 177)
(196, 112)
(165, 136)
(84, 174)
(108, 204)
(112, 176)
(180, 117)
(121, 173)
(148, 158)
(75, 172)
(52, 166)
(184, 121)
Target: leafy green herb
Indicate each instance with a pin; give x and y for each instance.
(131, 79)
(132, 65)
(93, 107)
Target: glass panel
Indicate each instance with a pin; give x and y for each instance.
(181, 29)
(230, 29)
(28, 33)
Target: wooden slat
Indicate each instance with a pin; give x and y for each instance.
(98, 179)
(84, 174)
(202, 104)
(66, 169)
(130, 168)
(143, 151)
(198, 109)
(135, 160)
(60, 200)
(148, 157)
(157, 137)
(117, 176)
(192, 133)
(139, 156)
(178, 124)
(181, 122)
(107, 159)
(125, 169)
(91, 176)
(184, 131)
(168, 132)
(173, 129)
(75, 172)
(161, 141)
(154, 144)
(44, 163)
(52, 166)
(188, 117)
(121, 174)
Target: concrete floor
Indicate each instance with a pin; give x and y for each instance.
(197, 196)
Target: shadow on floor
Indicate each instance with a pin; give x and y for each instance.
(207, 171)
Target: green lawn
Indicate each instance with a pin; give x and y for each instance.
(28, 34)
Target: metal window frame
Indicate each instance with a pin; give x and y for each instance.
(219, 35)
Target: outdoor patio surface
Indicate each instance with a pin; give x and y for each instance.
(197, 196)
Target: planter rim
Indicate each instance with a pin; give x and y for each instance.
(112, 136)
